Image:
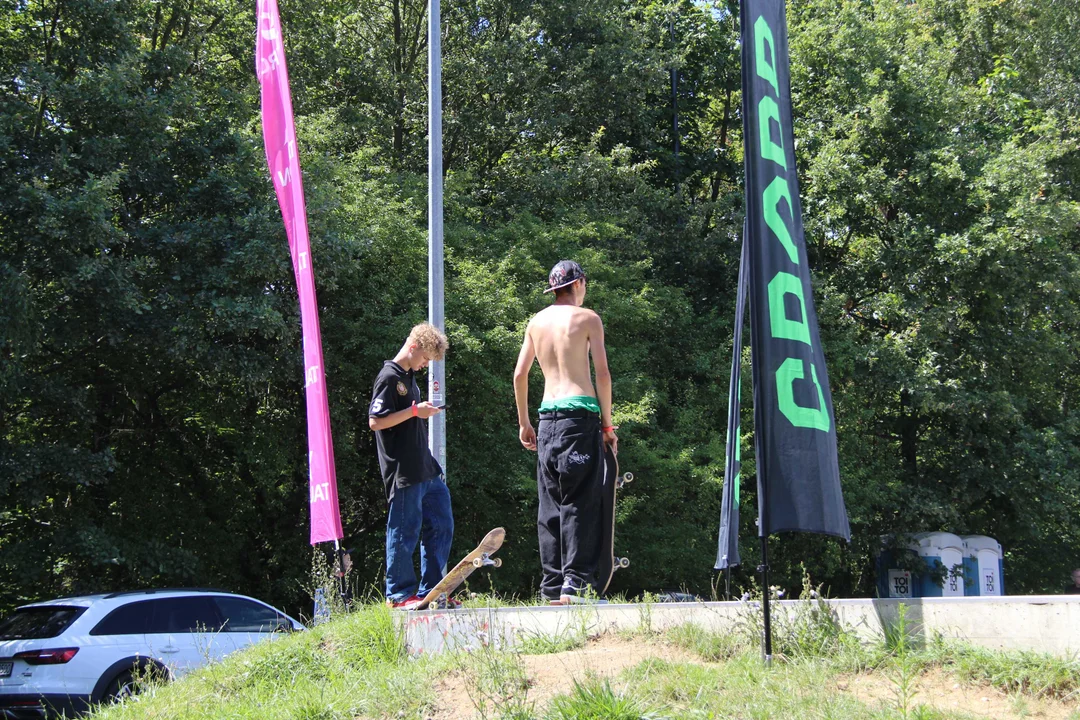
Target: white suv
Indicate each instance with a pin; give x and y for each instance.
(65, 655)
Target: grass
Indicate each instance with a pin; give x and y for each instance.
(571, 636)
(497, 683)
(709, 646)
(1024, 673)
(356, 667)
(741, 687)
(595, 700)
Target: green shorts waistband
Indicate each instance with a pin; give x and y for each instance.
(574, 402)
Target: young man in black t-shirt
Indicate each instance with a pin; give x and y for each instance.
(415, 489)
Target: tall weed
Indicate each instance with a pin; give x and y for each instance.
(596, 700)
(497, 683)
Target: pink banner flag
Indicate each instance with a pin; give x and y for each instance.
(279, 137)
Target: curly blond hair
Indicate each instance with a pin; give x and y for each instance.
(430, 340)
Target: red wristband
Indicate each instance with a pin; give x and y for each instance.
(414, 412)
(609, 428)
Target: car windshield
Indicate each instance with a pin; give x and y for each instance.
(38, 622)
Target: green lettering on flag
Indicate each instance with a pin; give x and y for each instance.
(765, 67)
(816, 418)
(776, 191)
(787, 284)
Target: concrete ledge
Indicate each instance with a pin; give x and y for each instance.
(1040, 623)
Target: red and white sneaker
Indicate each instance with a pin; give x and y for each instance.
(408, 603)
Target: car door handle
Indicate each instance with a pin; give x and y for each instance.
(170, 649)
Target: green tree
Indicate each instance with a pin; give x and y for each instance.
(151, 399)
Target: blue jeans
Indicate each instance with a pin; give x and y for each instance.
(421, 512)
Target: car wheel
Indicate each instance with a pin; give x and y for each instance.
(133, 681)
(122, 687)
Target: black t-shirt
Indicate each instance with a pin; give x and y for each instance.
(404, 456)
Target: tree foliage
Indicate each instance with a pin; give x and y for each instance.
(151, 409)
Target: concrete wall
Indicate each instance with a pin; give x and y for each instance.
(1046, 624)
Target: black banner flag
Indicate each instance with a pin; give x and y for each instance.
(727, 552)
(795, 433)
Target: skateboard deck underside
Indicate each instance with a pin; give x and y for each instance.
(479, 557)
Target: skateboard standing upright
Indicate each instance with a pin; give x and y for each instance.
(478, 558)
(611, 484)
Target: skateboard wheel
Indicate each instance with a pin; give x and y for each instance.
(628, 477)
(477, 562)
(623, 562)
(497, 562)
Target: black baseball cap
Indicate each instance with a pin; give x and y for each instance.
(565, 272)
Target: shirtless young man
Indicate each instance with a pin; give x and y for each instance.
(574, 422)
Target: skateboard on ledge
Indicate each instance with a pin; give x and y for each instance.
(478, 558)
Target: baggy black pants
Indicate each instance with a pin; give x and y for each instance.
(569, 475)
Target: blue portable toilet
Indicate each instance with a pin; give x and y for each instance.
(983, 566)
(943, 554)
(894, 579)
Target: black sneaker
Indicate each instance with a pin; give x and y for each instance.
(579, 596)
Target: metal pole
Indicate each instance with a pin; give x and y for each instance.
(437, 370)
(342, 580)
(764, 569)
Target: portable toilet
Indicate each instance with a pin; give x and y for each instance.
(895, 579)
(943, 554)
(983, 563)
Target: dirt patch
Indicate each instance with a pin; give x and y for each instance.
(550, 675)
(941, 691)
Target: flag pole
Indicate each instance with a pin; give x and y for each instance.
(794, 427)
(342, 580)
(763, 568)
(437, 369)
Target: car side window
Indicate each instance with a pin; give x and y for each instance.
(38, 622)
(246, 616)
(130, 619)
(185, 615)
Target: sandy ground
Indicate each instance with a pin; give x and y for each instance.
(943, 692)
(607, 656)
